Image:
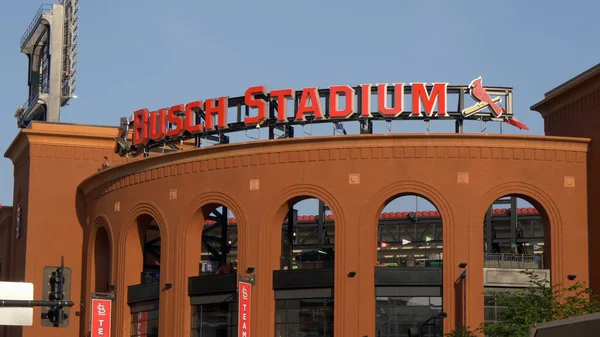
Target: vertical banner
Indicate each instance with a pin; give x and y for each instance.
(140, 324)
(244, 309)
(101, 313)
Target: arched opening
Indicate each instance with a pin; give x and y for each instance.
(143, 251)
(213, 291)
(304, 284)
(102, 262)
(408, 279)
(515, 239)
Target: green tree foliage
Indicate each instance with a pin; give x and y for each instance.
(541, 302)
(461, 331)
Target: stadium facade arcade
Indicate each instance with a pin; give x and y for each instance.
(183, 239)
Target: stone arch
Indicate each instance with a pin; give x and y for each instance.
(127, 272)
(101, 225)
(188, 233)
(370, 215)
(546, 208)
(101, 222)
(269, 238)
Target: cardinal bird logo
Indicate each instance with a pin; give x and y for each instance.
(483, 99)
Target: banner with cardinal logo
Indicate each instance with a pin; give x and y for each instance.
(101, 314)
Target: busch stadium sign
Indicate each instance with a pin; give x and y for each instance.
(282, 108)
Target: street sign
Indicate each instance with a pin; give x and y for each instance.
(12, 315)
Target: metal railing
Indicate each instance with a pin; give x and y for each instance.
(44, 8)
(27, 105)
(310, 264)
(514, 261)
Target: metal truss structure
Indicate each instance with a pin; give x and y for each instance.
(512, 231)
(50, 43)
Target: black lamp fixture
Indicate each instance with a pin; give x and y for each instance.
(571, 277)
(463, 273)
(250, 270)
(352, 274)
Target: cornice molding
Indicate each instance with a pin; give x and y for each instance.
(471, 146)
(569, 92)
(60, 134)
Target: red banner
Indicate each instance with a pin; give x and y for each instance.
(244, 310)
(101, 309)
(140, 323)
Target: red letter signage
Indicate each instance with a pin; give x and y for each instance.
(244, 309)
(311, 94)
(173, 117)
(335, 110)
(158, 125)
(282, 109)
(191, 109)
(140, 127)
(420, 95)
(259, 103)
(101, 309)
(397, 100)
(282, 97)
(365, 96)
(220, 111)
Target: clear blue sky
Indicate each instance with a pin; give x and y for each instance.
(154, 54)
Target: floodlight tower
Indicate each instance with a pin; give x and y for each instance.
(50, 43)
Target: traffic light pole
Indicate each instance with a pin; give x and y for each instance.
(32, 303)
(55, 302)
(56, 314)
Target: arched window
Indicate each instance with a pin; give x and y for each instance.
(213, 292)
(303, 286)
(143, 251)
(408, 279)
(514, 228)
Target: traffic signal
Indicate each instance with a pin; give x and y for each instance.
(56, 314)
(53, 295)
(56, 285)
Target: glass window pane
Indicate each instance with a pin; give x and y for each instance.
(294, 330)
(280, 316)
(489, 301)
(304, 317)
(489, 314)
(144, 323)
(395, 315)
(215, 319)
(293, 316)
(292, 304)
(436, 301)
(280, 330)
